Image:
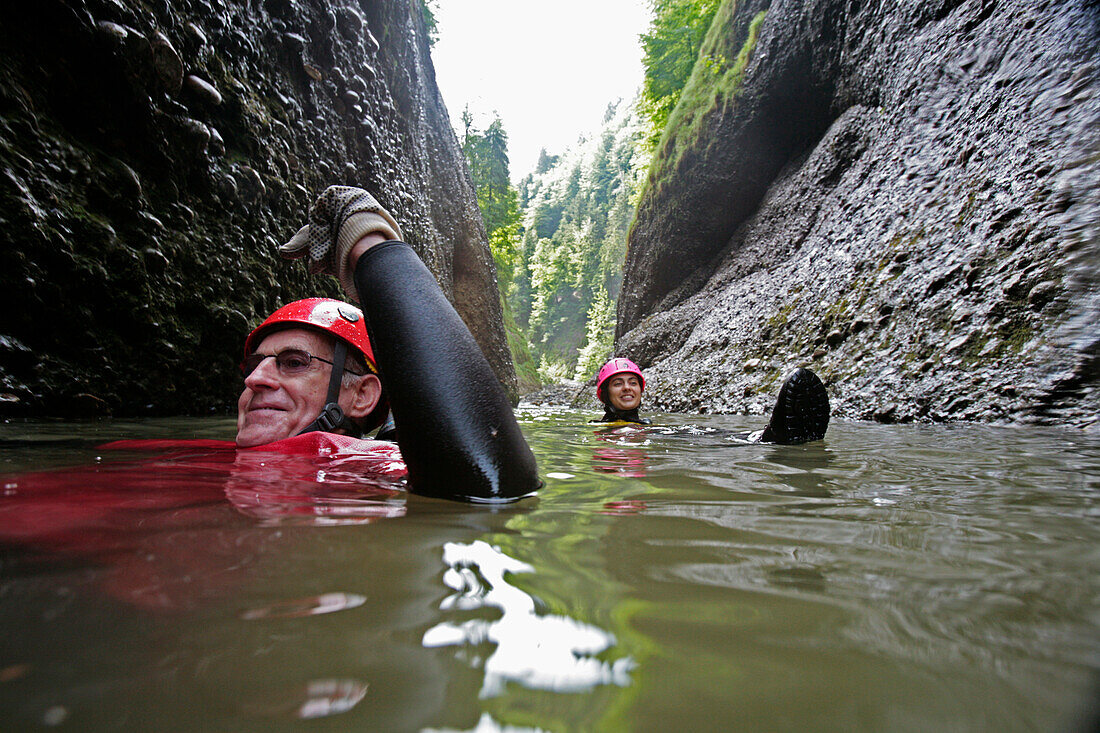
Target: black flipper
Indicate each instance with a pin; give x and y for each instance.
(801, 411)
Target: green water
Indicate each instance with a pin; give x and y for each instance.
(889, 578)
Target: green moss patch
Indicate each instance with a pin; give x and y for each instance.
(712, 89)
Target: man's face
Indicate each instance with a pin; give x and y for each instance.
(624, 391)
(274, 406)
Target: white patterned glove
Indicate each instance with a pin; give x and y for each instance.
(341, 217)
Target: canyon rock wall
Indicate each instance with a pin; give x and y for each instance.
(154, 154)
(901, 195)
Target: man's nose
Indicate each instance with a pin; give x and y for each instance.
(265, 374)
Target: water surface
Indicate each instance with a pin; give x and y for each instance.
(889, 578)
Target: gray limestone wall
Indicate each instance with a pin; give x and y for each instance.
(901, 195)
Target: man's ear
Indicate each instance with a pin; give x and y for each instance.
(366, 396)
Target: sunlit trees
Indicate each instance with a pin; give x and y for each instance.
(559, 237)
(600, 336)
(670, 49)
(487, 157)
(577, 213)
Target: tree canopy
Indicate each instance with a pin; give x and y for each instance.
(576, 215)
(669, 50)
(559, 237)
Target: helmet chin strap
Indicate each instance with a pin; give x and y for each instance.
(332, 418)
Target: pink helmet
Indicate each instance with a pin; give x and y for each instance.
(610, 369)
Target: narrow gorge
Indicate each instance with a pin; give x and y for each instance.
(901, 195)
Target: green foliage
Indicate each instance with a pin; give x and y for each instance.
(487, 158)
(526, 368)
(559, 240)
(577, 214)
(601, 337)
(714, 85)
(427, 12)
(551, 370)
(670, 49)
(504, 244)
(545, 162)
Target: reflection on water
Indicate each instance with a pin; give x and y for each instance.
(625, 453)
(546, 652)
(316, 699)
(667, 577)
(299, 607)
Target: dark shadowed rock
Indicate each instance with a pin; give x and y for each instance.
(153, 155)
(202, 90)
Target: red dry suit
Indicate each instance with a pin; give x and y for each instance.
(169, 529)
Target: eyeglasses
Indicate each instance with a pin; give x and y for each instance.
(290, 362)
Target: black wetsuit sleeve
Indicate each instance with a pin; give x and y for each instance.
(455, 426)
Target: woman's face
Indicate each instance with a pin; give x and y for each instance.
(624, 391)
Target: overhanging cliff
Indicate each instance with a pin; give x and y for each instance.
(901, 195)
(155, 154)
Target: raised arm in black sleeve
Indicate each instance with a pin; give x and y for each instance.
(455, 425)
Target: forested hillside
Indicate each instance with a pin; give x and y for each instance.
(577, 211)
(559, 237)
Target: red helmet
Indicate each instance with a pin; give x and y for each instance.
(345, 322)
(336, 317)
(610, 369)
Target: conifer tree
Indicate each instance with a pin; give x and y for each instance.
(670, 49)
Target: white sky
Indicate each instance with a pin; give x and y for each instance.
(549, 68)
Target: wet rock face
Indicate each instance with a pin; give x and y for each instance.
(902, 196)
(153, 155)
